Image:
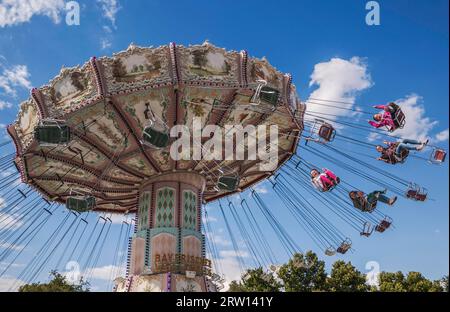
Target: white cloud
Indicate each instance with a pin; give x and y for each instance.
(7, 219)
(14, 12)
(337, 80)
(442, 136)
(417, 126)
(12, 77)
(105, 43)
(209, 219)
(110, 9)
(7, 281)
(12, 265)
(9, 246)
(104, 272)
(233, 253)
(219, 240)
(260, 189)
(116, 218)
(4, 104)
(373, 136)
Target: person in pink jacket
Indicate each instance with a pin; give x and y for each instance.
(383, 119)
(325, 180)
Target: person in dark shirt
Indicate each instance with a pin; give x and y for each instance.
(397, 151)
(368, 202)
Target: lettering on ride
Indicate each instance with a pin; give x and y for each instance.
(181, 263)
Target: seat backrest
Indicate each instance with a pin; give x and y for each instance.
(439, 155)
(269, 95)
(228, 183)
(326, 132)
(156, 138)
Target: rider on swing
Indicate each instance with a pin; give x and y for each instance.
(368, 202)
(324, 181)
(396, 151)
(384, 118)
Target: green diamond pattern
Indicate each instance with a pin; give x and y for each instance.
(165, 207)
(190, 210)
(144, 207)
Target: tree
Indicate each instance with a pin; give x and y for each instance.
(236, 287)
(345, 277)
(444, 283)
(413, 282)
(256, 280)
(391, 282)
(303, 273)
(58, 283)
(416, 282)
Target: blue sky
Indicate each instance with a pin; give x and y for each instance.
(405, 58)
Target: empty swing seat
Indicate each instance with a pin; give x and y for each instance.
(327, 132)
(155, 138)
(330, 251)
(367, 229)
(228, 183)
(345, 246)
(51, 133)
(384, 225)
(438, 156)
(81, 203)
(269, 95)
(415, 192)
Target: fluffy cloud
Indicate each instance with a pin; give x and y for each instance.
(110, 9)
(105, 43)
(6, 282)
(417, 126)
(442, 136)
(14, 12)
(4, 104)
(338, 80)
(104, 272)
(12, 77)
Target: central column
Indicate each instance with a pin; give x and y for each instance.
(167, 250)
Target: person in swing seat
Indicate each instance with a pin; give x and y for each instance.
(384, 118)
(368, 202)
(324, 181)
(395, 152)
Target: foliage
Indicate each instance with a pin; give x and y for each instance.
(345, 277)
(256, 280)
(58, 283)
(303, 273)
(413, 282)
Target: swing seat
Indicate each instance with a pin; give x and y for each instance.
(327, 132)
(417, 193)
(438, 156)
(269, 95)
(345, 246)
(398, 117)
(155, 138)
(266, 94)
(228, 183)
(367, 229)
(52, 133)
(330, 251)
(384, 225)
(80, 203)
(335, 183)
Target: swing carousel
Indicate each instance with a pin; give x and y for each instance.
(96, 140)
